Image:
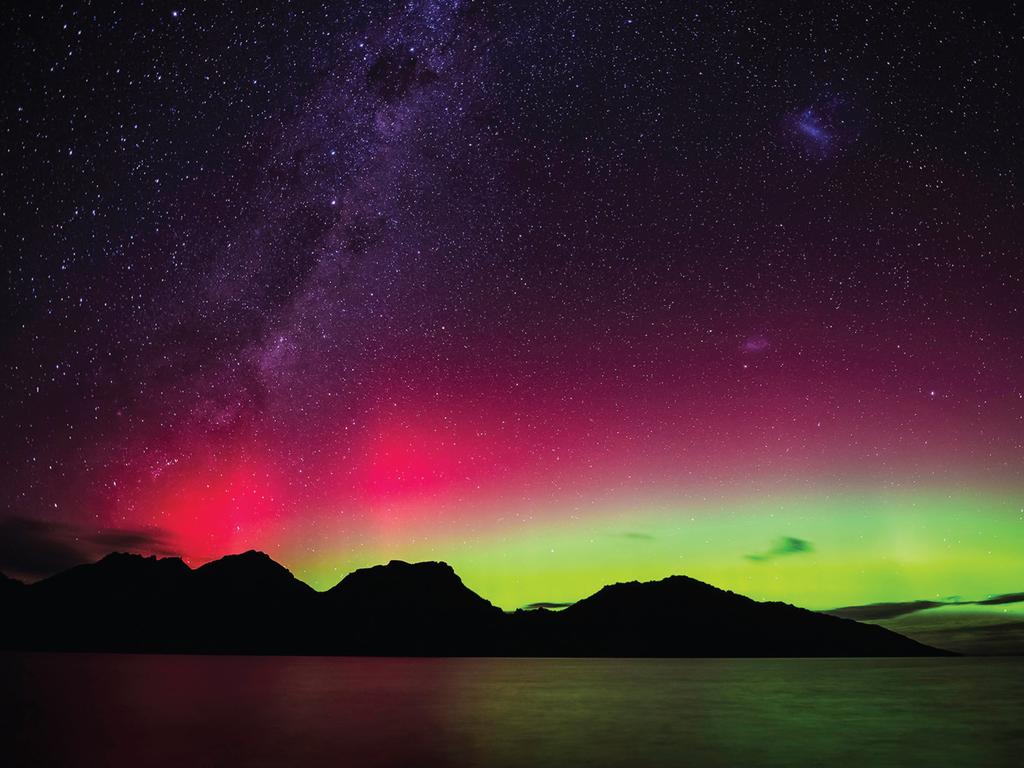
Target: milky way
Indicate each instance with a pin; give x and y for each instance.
(561, 296)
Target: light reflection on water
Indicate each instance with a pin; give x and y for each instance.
(103, 710)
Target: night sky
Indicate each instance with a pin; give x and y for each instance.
(560, 293)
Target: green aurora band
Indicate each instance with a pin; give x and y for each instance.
(861, 547)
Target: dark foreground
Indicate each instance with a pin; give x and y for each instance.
(248, 604)
(110, 710)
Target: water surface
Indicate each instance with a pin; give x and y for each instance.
(109, 710)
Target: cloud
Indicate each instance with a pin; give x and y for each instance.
(879, 611)
(152, 540)
(33, 549)
(1013, 597)
(546, 606)
(787, 545)
(875, 611)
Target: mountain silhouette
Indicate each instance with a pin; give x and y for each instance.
(680, 616)
(248, 603)
(248, 575)
(9, 586)
(409, 608)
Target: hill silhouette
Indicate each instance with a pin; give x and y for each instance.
(9, 586)
(658, 618)
(248, 603)
(409, 608)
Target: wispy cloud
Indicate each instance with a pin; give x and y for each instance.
(1013, 597)
(637, 536)
(33, 549)
(787, 545)
(878, 611)
(881, 611)
(153, 540)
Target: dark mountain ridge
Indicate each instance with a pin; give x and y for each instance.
(248, 603)
(401, 607)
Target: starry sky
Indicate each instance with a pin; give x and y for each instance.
(561, 293)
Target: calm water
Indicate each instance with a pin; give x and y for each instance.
(99, 710)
